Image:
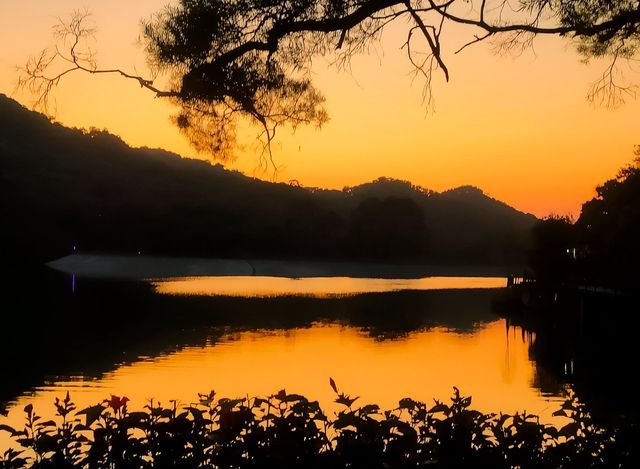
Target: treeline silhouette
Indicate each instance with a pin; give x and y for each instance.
(63, 188)
(602, 247)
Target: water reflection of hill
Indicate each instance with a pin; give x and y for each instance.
(51, 331)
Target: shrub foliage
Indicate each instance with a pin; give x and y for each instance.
(289, 431)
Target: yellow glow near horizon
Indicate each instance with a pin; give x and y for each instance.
(519, 128)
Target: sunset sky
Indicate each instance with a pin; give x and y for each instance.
(520, 128)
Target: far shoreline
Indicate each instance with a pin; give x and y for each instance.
(124, 267)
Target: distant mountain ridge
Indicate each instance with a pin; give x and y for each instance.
(62, 188)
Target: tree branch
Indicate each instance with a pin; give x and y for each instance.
(434, 44)
(283, 29)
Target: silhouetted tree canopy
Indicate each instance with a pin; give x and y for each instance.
(553, 251)
(252, 58)
(601, 248)
(609, 229)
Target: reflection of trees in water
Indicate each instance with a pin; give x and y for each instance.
(52, 331)
(393, 316)
(583, 340)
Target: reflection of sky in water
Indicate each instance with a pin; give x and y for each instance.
(490, 364)
(316, 287)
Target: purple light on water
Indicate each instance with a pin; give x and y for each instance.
(73, 283)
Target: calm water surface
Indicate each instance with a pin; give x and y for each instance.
(317, 287)
(459, 341)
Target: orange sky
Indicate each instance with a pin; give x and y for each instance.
(519, 128)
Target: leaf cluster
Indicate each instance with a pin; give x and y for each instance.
(288, 430)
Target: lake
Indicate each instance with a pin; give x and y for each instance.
(380, 339)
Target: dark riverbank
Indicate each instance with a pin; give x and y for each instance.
(584, 338)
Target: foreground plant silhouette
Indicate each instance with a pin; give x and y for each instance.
(289, 431)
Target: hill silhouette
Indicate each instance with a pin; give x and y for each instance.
(63, 189)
